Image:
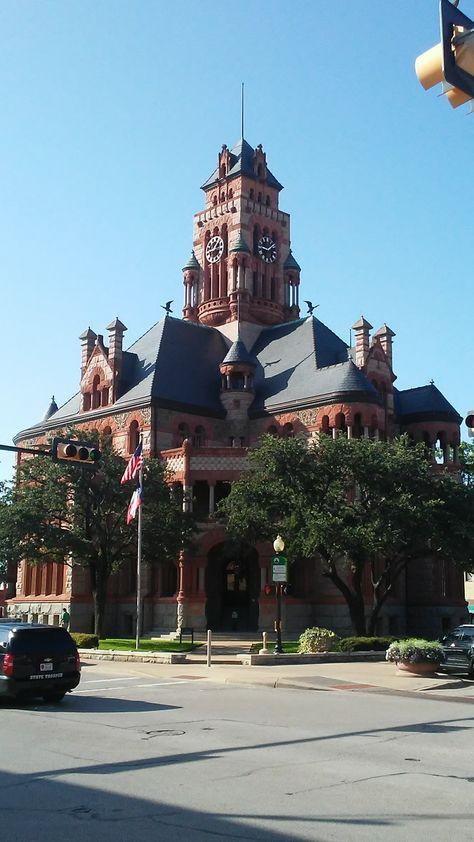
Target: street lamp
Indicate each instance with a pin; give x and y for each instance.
(278, 546)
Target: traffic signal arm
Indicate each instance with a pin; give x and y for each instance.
(68, 450)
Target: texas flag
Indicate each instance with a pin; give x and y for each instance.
(134, 504)
(134, 465)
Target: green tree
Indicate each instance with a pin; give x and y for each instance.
(365, 508)
(74, 515)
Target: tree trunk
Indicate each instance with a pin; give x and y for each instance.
(354, 598)
(99, 593)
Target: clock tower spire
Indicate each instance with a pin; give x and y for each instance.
(241, 245)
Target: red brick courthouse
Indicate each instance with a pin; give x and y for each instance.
(242, 361)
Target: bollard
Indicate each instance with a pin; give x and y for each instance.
(209, 645)
(264, 650)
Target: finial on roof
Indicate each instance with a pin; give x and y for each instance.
(52, 408)
(431, 382)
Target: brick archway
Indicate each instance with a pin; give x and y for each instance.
(232, 587)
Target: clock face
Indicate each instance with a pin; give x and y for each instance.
(267, 249)
(214, 249)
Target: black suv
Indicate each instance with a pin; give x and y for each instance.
(37, 660)
(458, 649)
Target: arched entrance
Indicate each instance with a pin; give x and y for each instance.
(232, 587)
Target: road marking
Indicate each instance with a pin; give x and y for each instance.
(156, 684)
(101, 680)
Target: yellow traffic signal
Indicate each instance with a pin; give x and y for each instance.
(67, 450)
(451, 62)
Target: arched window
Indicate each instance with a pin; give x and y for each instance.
(133, 436)
(199, 437)
(325, 429)
(214, 200)
(357, 429)
(223, 170)
(259, 198)
(260, 170)
(106, 434)
(288, 431)
(230, 193)
(272, 430)
(95, 392)
(183, 433)
(105, 396)
(87, 401)
(267, 201)
(340, 422)
(252, 193)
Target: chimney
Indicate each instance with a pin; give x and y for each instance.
(385, 335)
(87, 346)
(361, 330)
(116, 331)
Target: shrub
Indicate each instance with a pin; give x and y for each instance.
(85, 641)
(415, 651)
(366, 644)
(317, 640)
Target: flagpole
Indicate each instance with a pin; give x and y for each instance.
(139, 565)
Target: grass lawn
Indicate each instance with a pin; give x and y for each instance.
(127, 644)
(288, 646)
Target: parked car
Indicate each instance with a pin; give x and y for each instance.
(458, 650)
(37, 660)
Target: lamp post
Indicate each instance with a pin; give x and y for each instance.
(278, 546)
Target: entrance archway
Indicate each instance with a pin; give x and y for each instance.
(232, 587)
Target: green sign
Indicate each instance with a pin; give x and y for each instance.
(279, 568)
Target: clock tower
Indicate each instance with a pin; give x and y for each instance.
(241, 265)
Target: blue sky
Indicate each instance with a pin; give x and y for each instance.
(112, 117)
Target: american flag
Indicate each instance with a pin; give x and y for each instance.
(134, 504)
(134, 465)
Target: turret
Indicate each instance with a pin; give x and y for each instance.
(237, 389)
(191, 288)
(291, 286)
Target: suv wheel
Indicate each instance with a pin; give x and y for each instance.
(470, 672)
(53, 697)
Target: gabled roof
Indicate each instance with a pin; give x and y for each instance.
(241, 163)
(424, 403)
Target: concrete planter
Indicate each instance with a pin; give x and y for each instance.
(420, 668)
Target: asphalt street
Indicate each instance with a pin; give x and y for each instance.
(133, 755)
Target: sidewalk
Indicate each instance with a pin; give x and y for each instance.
(364, 676)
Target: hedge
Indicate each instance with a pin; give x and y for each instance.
(85, 641)
(366, 644)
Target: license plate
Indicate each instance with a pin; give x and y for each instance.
(45, 667)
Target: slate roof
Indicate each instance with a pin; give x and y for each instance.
(301, 363)
(241, 163)
(424, 403)
(238, 353)
(305, 363)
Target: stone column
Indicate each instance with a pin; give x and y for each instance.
(349, 431)
(211, 499)
(366, 432)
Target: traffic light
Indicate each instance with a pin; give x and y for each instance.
(470, 423)
(450, 62)
(67, 450)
